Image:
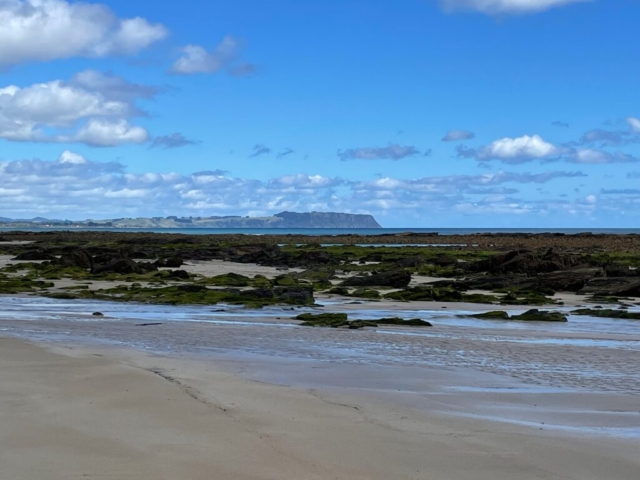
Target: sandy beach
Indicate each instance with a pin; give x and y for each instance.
(81, 412)
(201, 391)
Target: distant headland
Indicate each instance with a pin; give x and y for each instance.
(279, 220)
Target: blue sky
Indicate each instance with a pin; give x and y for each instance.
(425, 113)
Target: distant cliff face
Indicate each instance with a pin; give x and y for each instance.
(325, 220)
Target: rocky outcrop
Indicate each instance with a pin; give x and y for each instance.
(124, 266)
(570, 280)
(35, 255)
(76, 259)
(536, 315)
(527, 262)
(170, 262)
(392, 278)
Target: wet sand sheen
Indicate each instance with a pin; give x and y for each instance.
(85, 412)
(498, 368)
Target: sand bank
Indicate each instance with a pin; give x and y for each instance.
(96, 412)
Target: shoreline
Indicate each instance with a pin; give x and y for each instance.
(476, 241)
(98, 410)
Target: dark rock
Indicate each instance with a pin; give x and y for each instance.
(611, 286)
(179, 274)
(496, 315)
(536, 315)
(124, 266)
(35, 255)
(618, 271)
(527, 262)
(607, 313)
(191, 288)
(76, 259)
(170, 262)
(445, 261)
(411, 262)
(296, 295)
(392, 278)
(98, 314)
(147, 324)
(570, 280)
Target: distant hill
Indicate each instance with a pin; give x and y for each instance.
(279, 220)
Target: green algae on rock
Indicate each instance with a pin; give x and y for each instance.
(340, 320)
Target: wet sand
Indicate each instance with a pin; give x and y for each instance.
(86, 411)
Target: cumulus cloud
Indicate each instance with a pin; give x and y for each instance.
(108, 133)
(225, 57)
(259, 150)
(505, 7)
(457, 135)
(393, 151)
(175, 140)
(512, 150)
(634, 123)
(73, 111)
(43, 30)
(531, 148)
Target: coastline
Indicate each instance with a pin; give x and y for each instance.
(71, 411)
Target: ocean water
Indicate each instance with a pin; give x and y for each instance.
(333, 231)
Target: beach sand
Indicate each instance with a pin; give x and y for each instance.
(95, 412)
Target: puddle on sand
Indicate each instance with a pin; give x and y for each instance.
(546, 354)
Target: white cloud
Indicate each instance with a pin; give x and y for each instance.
(76, 187)
(73, 111)
(196, 59)
(634, 123)
(107, 133)
(513, 150)
(73, 158)
(56, 104)
(43, 30)
(497, 7)
(521, 147)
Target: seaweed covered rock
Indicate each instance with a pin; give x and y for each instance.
(527, 262)
(340, 320)
(607, 313)
(170, 262)
(229, 280)
(124, 266)
(294, 295)
(570, 280)
(392, 278)
(179, 274)
(37, 254)
(536, 315)
(366, 293)
(76, 258)
(426, 294)
(339, 291)
(495, 315)
(285, 281)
